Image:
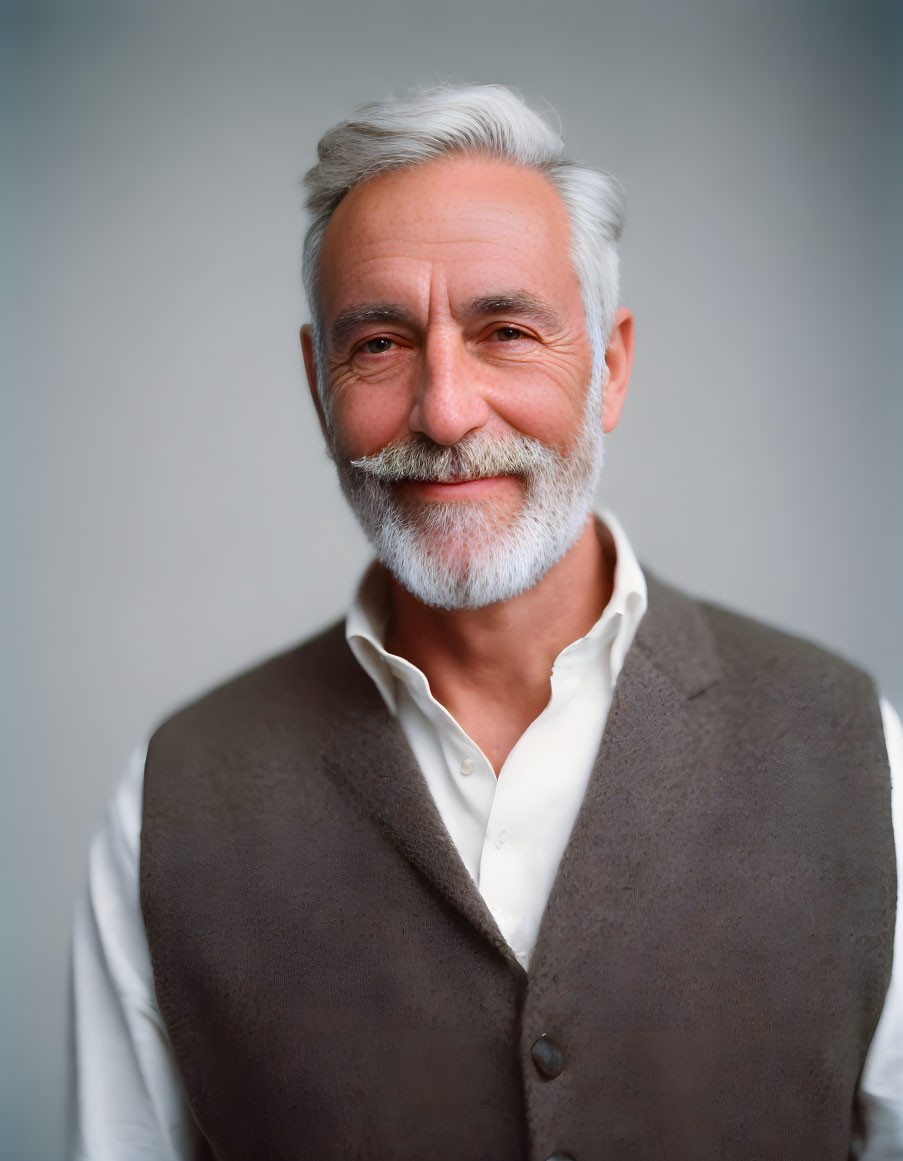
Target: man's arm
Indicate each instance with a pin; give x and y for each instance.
(126, 1098)
(881, 1090)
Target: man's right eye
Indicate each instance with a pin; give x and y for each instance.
(377, 346)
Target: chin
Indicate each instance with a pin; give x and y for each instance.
(451, 559)
(489, 547)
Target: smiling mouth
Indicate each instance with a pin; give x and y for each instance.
(455, 488)
(455, 480)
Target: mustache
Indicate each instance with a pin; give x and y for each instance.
(475, 457)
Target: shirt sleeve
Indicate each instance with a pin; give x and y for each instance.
(126, 1099)
(881, 1088)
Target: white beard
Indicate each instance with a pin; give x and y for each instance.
(466, 554)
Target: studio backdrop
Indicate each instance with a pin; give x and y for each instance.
(170, 510)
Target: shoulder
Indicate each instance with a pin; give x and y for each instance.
(762, 673)
(291, 695)
(247, 743)
(745, 645)
(297, 674)
(792, 666)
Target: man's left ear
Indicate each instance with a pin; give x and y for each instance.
(618, 361)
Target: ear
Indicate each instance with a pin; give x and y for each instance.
(618, 360)
(310, 366)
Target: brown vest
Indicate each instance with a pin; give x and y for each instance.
(711, 964)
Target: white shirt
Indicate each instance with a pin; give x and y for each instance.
(128, 1101)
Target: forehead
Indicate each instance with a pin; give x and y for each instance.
(470, 225)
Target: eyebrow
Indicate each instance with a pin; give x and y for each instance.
(515, 302)
(353, 317)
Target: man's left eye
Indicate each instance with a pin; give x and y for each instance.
(377, 346)
(508, 334)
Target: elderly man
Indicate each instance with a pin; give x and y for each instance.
(534, 856)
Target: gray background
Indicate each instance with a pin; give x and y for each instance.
(169, 513)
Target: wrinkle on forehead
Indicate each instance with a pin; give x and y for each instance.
(449, 218)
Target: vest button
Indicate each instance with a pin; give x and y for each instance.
(560, 1157)
(548, 1059)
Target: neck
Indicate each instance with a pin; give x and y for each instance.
(491, 667)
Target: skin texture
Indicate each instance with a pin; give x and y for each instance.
(450, 304)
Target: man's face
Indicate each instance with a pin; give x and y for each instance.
(456, 346)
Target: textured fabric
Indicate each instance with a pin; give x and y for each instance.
(712, 961)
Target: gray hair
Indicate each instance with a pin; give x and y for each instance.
(485, 120)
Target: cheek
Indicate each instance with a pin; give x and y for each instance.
(367, 416)
(549, 409)
(553, 426)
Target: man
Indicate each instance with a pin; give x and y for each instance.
(534, 856)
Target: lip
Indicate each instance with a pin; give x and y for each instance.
(458, 489)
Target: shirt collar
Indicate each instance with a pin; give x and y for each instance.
(365, 625)
(628, 597)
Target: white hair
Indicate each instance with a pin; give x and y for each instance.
(484, 120)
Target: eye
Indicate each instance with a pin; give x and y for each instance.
(508, 334)
(377, 346)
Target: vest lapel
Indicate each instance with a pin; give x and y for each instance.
(676, 639)
(366, 752)
(648, 738)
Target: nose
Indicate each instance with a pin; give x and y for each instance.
(449, 401)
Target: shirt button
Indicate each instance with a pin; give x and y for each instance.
(547, 1057)
(502, 839)
(467, 766)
